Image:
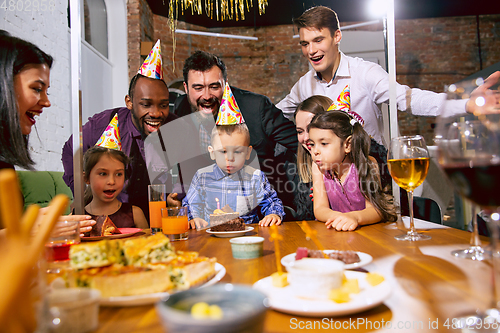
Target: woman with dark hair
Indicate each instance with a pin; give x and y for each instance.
(303, 115)
(305, 111)
(24, 80)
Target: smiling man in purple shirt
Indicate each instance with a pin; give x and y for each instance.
(147, 109)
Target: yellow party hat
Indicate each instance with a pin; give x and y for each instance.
(110, 138)
(152, 66)
(229, 111)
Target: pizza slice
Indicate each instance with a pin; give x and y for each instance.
(103, 227)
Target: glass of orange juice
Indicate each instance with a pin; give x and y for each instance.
(157, 200)
(174, 222)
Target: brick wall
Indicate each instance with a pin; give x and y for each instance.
(269, 66)
(429, 54)
(46, 29)
(140, 29)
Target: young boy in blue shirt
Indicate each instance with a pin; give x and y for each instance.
(242, 187)
(230, 181)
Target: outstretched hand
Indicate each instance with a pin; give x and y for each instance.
(86, 221)
(491, 102)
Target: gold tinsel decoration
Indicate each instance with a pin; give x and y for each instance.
(224, 10)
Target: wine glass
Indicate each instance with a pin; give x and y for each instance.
(408, 161)
(475, 251)
(469, 153)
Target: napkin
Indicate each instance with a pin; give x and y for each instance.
(421, 224)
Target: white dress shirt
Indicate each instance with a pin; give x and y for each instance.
(369, 87)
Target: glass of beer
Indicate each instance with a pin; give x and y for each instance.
(174, 221)
(64, 234)
(408, 162)
(157, 200)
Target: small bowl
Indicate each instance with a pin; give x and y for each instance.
(311, 277)
(244, 309)
(74, 309)
(247, 247)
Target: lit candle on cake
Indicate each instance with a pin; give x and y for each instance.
(218, 203)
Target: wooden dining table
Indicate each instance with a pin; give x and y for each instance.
(430, 287)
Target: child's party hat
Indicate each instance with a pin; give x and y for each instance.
(110, 138)
(152, 66)
(229, 112)
(343, 103)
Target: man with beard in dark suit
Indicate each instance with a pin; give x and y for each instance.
(272, 136)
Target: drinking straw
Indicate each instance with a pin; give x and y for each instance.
(311, 234)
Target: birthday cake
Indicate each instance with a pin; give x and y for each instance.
(236, 224)
(226, 219)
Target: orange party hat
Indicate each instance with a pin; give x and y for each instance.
(152, 66)
(110, 138)
(229, 111)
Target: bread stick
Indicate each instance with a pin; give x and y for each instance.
(56, 208)
(28, 220)
(16, 310)
(10, 201)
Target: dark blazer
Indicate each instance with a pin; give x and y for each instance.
(268, 127)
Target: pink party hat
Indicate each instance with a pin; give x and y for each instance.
(152, 66)
(343, 103)
(110, 138)
(229, 112)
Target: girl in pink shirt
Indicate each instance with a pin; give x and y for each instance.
(346, 182)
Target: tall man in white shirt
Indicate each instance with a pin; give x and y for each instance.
(368, 82)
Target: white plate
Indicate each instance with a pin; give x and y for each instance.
(284, 300)
(227, 234)
(364, 257)
(137, 300)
